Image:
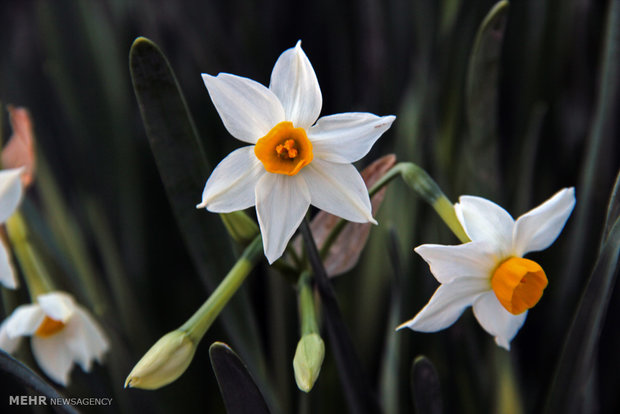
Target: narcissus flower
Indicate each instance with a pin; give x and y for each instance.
(294, 160)
(489, 273)
(62, 333)
(10, 196)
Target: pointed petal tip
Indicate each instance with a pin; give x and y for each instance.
(389, 118)
(502, 343)
(10, 282)
(128, 382)
(403, 326)
(201, 205)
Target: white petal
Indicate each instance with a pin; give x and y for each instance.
(232, 184)
(248, 109)
(8, 278)
(538, 228)
(345, 138)
(338, 189)
(53, 356)
(7, 343)
(57, 305)
(24, 320)
(85, 339)
(483, 220)
(447, 304)
(496, 320)
(281, 203)
(473, 259)
(294, 82)
(10, 192)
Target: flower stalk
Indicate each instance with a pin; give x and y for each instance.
(422, 183)
(310, 349)
(307, 310)
(35, 273)
(199, 323)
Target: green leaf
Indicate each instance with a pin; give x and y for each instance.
(613, 209)
(238, 389)
(482, 101)
(23, 375)
(425, 387)
(600, 139)
(184, 169)
(579, 355)
(389, 379)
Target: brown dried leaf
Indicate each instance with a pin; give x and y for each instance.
(345, 251)
(19, 150)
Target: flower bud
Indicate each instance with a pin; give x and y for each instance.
(240, 227)
(163, 363)
(308, 360)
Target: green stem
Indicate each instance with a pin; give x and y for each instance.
(35, 273)
(199, 323)
(422, 183)
(307, 312)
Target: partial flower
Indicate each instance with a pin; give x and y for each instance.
(11, 192)
(19, 149)
(293, 160)
(489, 273)
(62, 333)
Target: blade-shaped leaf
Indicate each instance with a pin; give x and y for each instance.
(240, 393)
(425, 387)
(482, 100)
(601, 138)
(613, 209)
(579, 355)
(23, 375)
(184, 169)
(392, 351)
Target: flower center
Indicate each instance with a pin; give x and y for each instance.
(518, 284)
(284, 150)
(49, 327)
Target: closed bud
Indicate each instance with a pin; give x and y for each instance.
(308, 360)
(164, 362)
(240, 226)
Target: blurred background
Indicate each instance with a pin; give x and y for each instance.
(536, 114)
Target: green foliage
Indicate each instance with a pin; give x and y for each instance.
(240, 393)
(506, 102)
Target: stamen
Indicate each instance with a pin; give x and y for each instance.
(518, 284)
(49, 327)
(288, 150)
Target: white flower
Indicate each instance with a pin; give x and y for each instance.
(10, 196)
(293, 162)
(489, 273)
(62, 333)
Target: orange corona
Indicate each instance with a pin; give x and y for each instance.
(518, 284)
(49, 327)
(284, 150)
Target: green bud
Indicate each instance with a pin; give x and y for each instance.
(163, 363)
(240, 227)
(308, 360)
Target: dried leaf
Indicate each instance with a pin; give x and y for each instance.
(345, 252)
(19, 150)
